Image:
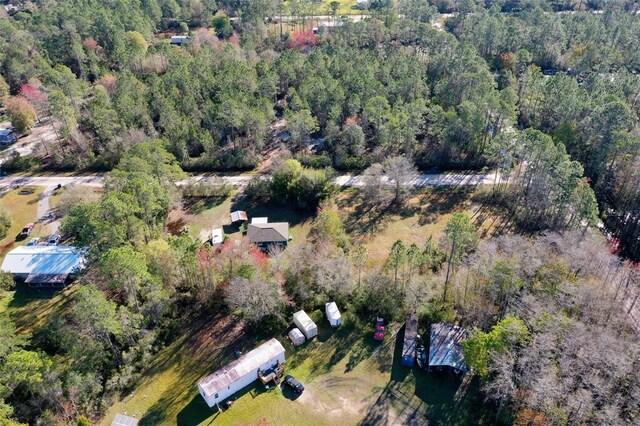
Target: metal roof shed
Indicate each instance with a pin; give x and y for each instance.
(305, 324)
(238, 216)
(333, 314)
(444, 346)
(296, 337)
(220, 385)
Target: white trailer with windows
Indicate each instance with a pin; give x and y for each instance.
(333, 314)
(305, 324)
(220, 385)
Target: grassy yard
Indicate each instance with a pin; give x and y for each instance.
(29, 308)
(206, 214)
(22, 206)
(349, 379)
(424, 215)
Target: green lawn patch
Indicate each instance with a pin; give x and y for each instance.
(23, 209)
(349, 378)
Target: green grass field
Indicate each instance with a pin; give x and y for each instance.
(349, 379)
(23, 209)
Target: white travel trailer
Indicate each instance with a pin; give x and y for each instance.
(305, 324)
(333, 314)
(220, 385)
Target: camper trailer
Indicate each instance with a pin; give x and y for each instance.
(333, 314)
(410, 341)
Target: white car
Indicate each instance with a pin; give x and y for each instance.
(33, 241)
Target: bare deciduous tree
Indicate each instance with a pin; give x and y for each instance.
(255, 298)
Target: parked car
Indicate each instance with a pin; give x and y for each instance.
(33, 241)
(54, 240)
(26, 230)
(379, 329)
(7, 137)
(294, 384)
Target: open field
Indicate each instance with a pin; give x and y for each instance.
(349, 379)
(424, 216)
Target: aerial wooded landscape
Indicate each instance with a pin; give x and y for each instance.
(314, 212)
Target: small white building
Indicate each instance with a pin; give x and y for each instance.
(181, 39)
(259, 220)
(220, 385)
(296, 337)
(305, 324)
(43, 265)
(333, 314)
(217, 237)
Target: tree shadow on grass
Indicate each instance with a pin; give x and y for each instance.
(40, 303)
(276, 212)
(197, 411)
(438, 201)
(423, 398)
(197, 205)
(204, 345)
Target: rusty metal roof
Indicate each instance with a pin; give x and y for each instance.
(239, 368)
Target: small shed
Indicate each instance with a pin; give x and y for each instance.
(445, 349)
(251, 366)
(305, 324)
(258, 220)
(410, 341)
(238, 216)
(217, 236)
(333, 314)
(296, 337)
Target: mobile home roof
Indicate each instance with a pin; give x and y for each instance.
(244, 365)
(43, 260)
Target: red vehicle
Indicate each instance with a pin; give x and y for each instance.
(379, 329)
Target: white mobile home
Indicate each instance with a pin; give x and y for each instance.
(43, 265)
(220, 385)
(305, 324)
(333, 314)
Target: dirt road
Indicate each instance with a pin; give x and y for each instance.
(419, 181)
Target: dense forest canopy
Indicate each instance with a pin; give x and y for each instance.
(545, 95)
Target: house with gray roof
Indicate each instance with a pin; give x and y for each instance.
(266, 235)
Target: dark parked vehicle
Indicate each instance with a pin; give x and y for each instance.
(294, 384)
(54, 240)
(26, 230)
(379, 329)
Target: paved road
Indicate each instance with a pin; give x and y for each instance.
(444, 179)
